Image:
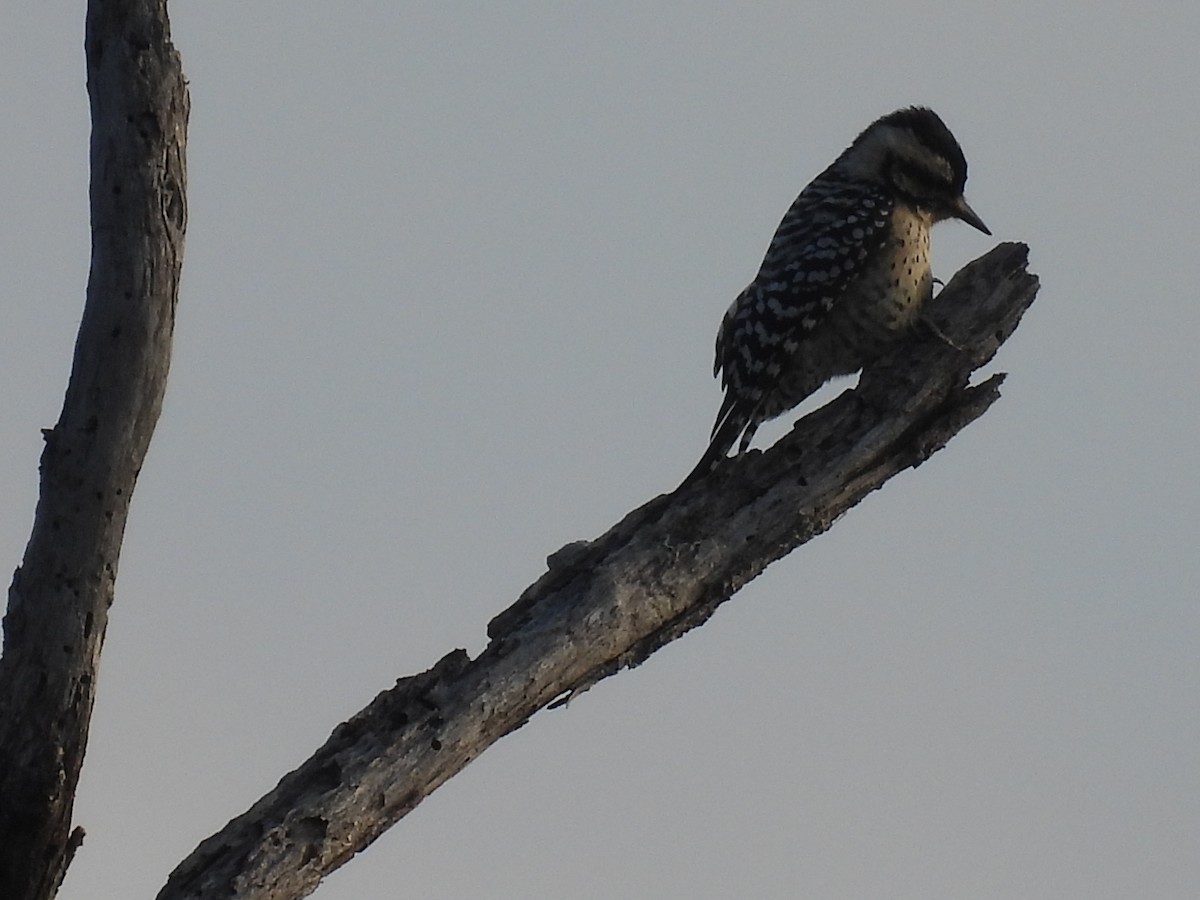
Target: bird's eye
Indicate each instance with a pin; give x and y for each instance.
(919, 182)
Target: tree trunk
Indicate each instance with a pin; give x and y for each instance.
(59, 598)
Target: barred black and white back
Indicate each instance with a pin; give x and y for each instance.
(846, 273)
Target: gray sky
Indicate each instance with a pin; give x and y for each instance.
(453, 273)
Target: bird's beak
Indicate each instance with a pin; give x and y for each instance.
(961, 210)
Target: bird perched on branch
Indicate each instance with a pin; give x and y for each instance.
(845, 275)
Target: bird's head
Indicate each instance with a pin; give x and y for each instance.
(912, 154)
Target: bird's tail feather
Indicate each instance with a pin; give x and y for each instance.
(726, 432)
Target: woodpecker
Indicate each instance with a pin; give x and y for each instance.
(845, 275)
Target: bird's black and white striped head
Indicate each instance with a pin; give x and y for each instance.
(913, 155)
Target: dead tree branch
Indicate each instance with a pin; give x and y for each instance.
(609, 603)
(59, 598)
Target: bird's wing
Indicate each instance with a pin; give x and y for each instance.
(823, 243)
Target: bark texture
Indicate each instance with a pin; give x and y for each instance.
(59, 598)
(611, 602)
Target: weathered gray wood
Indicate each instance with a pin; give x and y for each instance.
(59, 598)
(611, 602)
